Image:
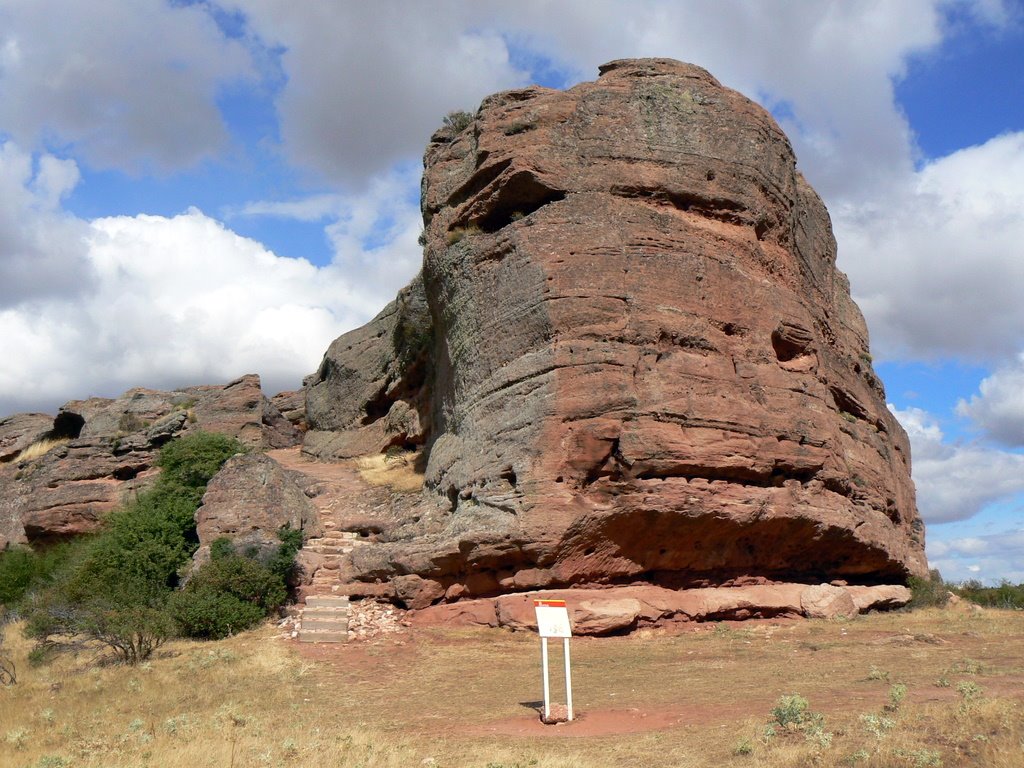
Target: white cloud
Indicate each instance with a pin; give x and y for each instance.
(935, 263)
(955, 481)
(998, 409)
(129, 85)
(39, 253)
(367, 83)
(167, 302)
(990, 557)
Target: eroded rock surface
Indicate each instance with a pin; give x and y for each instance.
(644, 364)
(104, 449)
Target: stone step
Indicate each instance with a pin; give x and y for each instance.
(329, 549)
(322, 636)
(327, 601)
(335, 534)
(314, 624)
(324, 612)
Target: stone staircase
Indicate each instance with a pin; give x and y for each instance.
(324, 619)
(324, 615)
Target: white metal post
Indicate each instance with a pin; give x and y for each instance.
(547, 687)
(568, 678)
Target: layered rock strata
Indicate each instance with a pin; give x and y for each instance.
(643, 363)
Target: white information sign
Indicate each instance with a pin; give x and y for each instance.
(553, 621)
(552, 618)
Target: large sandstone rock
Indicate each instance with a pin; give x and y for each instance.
(249, 501)
(644, 364)
(104, 449)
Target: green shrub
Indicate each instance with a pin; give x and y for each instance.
(116, 590)
(282, 562)
(927, 593)
(1006, 595)
(192, 460)
(227, 595)
(211, 615)
(793, 714)
(23, 569)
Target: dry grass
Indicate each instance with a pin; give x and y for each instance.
(40, 448)
(463, 698)
(403, 472)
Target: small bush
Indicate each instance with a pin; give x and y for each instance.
(458, 121)
(192, 460)
(793, 714)
(928, 593)
(211, 615)
(457, 234)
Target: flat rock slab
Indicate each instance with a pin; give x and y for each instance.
(620, 609)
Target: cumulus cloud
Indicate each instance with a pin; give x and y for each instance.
(955, 481)
(935, 263)
(989, 557)
(998, 408)
(128, 85)
(169, 301)
(39, 252)
(367, 83)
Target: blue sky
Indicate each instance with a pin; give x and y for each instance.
(190, 191)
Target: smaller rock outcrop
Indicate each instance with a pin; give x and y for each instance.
(370, 392)
(99, 450)
(21, 430)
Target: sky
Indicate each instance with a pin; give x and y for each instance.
(194, 190)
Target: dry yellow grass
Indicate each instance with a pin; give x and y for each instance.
(462, 698)
(402, 473)
(40, 448)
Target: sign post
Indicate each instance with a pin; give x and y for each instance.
(553, 621)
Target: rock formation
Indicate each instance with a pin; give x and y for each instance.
(629, 358)
(99, 450)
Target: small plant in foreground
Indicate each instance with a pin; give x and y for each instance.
(743, 748)
(877, 674)
(793, 714)
(877, 725)
(921, 758)
(896, 696)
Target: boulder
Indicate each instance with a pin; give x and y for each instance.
(249, 501)
(619, 609)
(825, 601)
(630, 355)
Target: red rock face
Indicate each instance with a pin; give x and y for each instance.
(646, 365)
